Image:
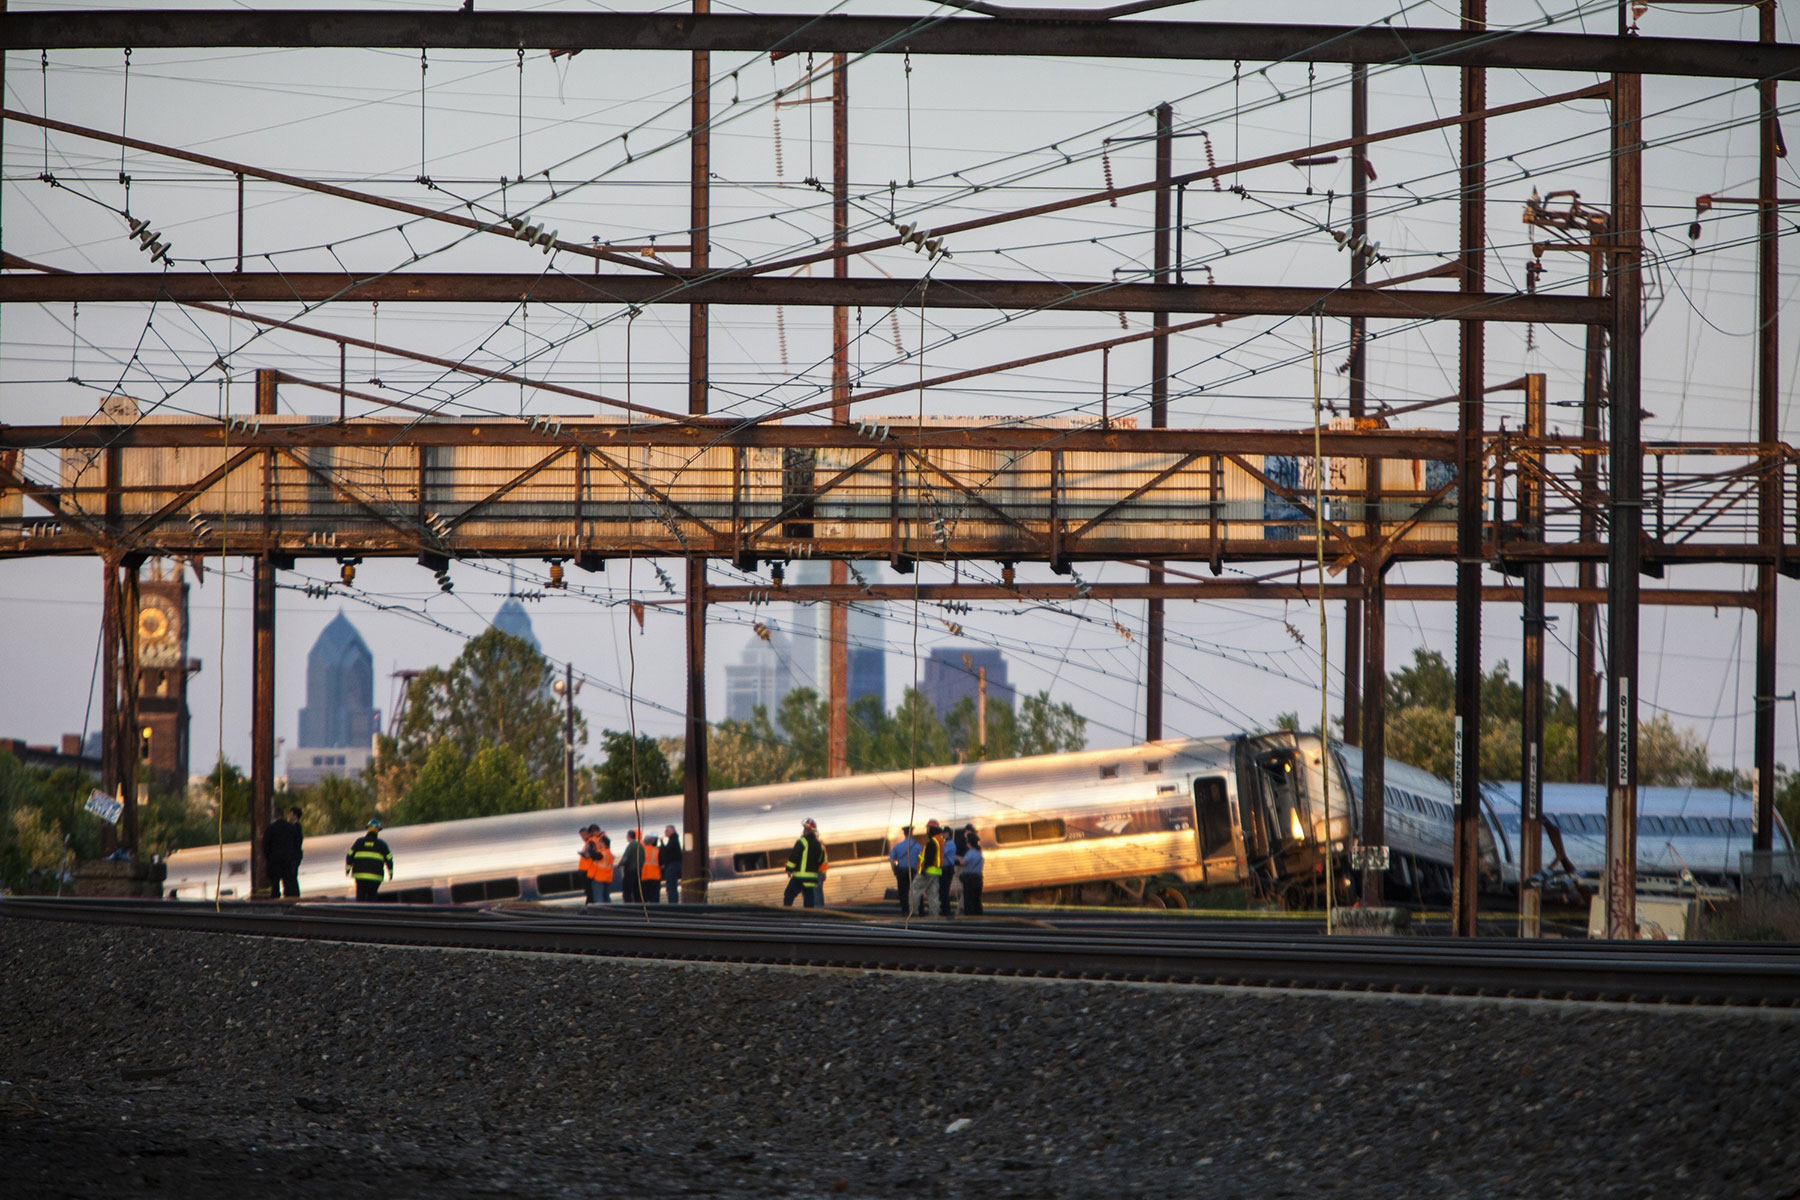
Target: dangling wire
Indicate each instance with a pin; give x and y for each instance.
(812, 172)
(1309, 126)
(423, 67)
(124, 113)
(521, 114)
(374, 340)
(909, 161)
(1237, 113)
(74, 337)
(44, 72)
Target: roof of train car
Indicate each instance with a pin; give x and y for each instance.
(1660, 801)
(1396, 773)
(859, 804)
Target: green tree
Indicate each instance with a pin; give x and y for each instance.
(1671, 756)
(632, 770)
(747, 753)
(495, 694)
(805, 721)
(450, 787)
(1049, 728)
(333, 805)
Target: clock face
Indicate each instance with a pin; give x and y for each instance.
(159, 637)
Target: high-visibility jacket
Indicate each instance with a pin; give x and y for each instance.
(603, 870)
(931, 859)
(368, 854)
(589, 859)
(806, 861)
(652, 869)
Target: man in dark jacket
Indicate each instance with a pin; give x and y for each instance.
(669, 855)
(282, 850)
(631, 869)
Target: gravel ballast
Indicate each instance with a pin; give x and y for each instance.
(141, 1063)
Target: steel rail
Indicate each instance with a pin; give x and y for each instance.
(1748, 974)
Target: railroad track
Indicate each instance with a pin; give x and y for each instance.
(1710, 973)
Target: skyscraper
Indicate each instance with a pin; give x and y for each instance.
(512, 619)
(947, 679)
(340, 719)
(812, 637)
(763, 674)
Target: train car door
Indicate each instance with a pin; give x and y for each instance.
(1213, 827)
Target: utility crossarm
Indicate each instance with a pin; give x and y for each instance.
(1067, 35)
(724, 288)
(1223, 589)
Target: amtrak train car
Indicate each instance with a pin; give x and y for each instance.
(1419, 827)
(1142, 823)
(1701, 831)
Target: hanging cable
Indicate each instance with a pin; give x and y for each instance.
(521, 138)
(909, 140)
(44, 74)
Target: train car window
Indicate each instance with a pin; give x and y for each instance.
(1153, 766)
(1110, 771)
(1030, 831)
(418, 895)
(503, 889)
(1654, 825)
(557, 883)
(1212, 807)
(841, 852)
(1744, 825)
(483, 889)
(753, 860)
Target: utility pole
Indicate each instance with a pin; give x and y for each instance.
(262, 668)
(1470, 423)
(981, 709)
(838, 707)
(1625, 515)
(695, 797)
(1357, 397)
(1159, 410)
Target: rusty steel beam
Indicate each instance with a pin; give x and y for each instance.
(1224, 589)
(503, 431)
(1062, 35)
(438, 287)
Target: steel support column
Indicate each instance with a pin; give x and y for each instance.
(1768, 398)
(262, 668)
(131, 746)
(695, 799)
(1357, 395)
(1531, 720)
(1374, 725)
(1159, 408)
(1625, 512)
(1467, 748)
(837, 699)
(1587, 615)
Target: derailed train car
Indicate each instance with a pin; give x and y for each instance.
(1144, 823)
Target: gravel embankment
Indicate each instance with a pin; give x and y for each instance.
(311, 1070)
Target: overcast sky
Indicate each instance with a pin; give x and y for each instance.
(1025, 131)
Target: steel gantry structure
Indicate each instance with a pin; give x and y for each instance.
(649, 481)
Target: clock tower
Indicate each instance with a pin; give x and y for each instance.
(163, 670)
